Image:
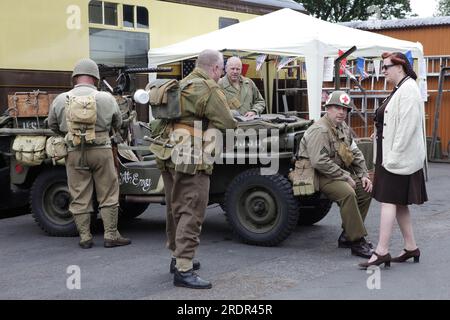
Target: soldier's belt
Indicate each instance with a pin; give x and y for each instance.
(195, 133)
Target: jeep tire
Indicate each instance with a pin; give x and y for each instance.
(49, 203)
(261, 209)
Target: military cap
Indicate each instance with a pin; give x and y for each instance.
(340, 99)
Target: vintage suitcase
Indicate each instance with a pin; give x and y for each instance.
(29, 104)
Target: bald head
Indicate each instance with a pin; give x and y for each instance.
(211, 61)
(234, 69)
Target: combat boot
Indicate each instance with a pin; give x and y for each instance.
(86, 244)
(362, 249)
(190, 279)
(111, 243)
(112, 236)
(173, 262)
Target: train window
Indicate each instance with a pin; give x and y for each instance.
(110, 10)
(95, 12)
(142, 17)
(116, 47)
(128, 16)
(225, 22)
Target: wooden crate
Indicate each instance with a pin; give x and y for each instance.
(30, 104)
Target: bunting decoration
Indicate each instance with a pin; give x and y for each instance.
(284, 61)
(360, 69)
(260, 60)
(343, 63)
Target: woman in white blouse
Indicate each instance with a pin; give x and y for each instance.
(400, 157)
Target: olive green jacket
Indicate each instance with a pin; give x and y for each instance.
(320, 144)
(201, 100)
(246, 98)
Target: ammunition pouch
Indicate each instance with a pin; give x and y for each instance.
(56, 149)
(29, 150)
(303, 178)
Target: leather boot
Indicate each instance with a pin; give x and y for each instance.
(343, 242)
(111, 243)
(362, 249)
(190, 279)
(173, 262)
(112, 236)
(83, 223)
(86, 244)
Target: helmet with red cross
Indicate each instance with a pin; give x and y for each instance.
(340, 99)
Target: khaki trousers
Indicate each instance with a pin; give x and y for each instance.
(186, 201)
(354, 204)
(102, 176)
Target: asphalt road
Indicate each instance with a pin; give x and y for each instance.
(308, 265)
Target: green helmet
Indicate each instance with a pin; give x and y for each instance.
(86, 67)
(340, 99)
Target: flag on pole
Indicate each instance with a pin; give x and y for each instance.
(343, 63)
(360, 69)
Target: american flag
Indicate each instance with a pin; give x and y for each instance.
(187, 67)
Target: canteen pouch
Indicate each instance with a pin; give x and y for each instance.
(56, 148)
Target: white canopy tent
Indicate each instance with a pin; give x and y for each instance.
(289, 33)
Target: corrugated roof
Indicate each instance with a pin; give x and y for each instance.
(398, 23)
(279, 3)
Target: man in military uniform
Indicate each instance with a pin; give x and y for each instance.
(341, 170)
(97, 158)
(187, 184)
(241, 92)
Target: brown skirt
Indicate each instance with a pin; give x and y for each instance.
(399, 189)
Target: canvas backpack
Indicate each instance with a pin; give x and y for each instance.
(165, 98)
(81, 116)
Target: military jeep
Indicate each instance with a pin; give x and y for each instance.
(260, 207)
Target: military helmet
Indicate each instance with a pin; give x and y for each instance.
(340, 99)
(86, 67)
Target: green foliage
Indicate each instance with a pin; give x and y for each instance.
(443, 8)
(348, 10)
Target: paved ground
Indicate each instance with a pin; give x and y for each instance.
(308, 265)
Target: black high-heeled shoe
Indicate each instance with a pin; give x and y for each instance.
(386, 259)
(415, 254)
